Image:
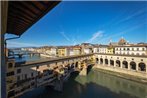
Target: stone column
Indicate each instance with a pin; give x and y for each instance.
(79, 65)
(114, 63)
(84, 70)
(99, 62)
(137, 66)
(129, 66)
(121, 65)
(103, 62)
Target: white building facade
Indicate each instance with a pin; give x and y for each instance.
(87, 50)
(131, 50)
(95, 49)
(102, 49)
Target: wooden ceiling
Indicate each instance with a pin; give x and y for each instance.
(23, 14)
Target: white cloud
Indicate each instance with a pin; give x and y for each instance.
(73, 41)
(96, 35)
(64, 35)
(130, 16)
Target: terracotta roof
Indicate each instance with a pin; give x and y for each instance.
(122, 41)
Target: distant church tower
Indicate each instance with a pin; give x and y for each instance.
(122, 41)
(110, 42)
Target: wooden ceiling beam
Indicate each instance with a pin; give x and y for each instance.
(23, 14)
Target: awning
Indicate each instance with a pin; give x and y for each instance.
(23, 14)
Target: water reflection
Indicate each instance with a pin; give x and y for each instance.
(95, 85)
(115, 84)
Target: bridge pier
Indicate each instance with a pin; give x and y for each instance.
(20, 55)
(83, 71)
(58, 85)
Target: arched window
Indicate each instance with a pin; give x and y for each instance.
(97, 60)
(10, 65)
(133, 65)
(101, 61)
(117, 63)
(111, 62)
(106, 61)
(142, 66)
(125, 64)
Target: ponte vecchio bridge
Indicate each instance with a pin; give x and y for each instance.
(25, 76)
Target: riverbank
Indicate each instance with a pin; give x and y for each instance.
(121, 74)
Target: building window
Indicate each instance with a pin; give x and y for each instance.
(124, 49)
(10, 73)
(25, 76)
(18, 71)
(137, 49)
(10, 65)
(18, 78)
(32, 74)
(143, 49)
(11, 93)
(37, 67)
(132, 49)
(128, 49)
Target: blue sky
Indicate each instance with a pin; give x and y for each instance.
(96, 22)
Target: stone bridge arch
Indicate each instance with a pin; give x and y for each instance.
(111, 62)
(76, 64)
(133, 65)
(142, 66)
(72, 65)
(106, 61)
(101, 61)
(97, 60)
(125, 64)
(117, 63)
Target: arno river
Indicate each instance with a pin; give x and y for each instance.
(95, 85)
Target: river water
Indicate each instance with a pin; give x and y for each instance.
(95, 85)
(27, 57)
